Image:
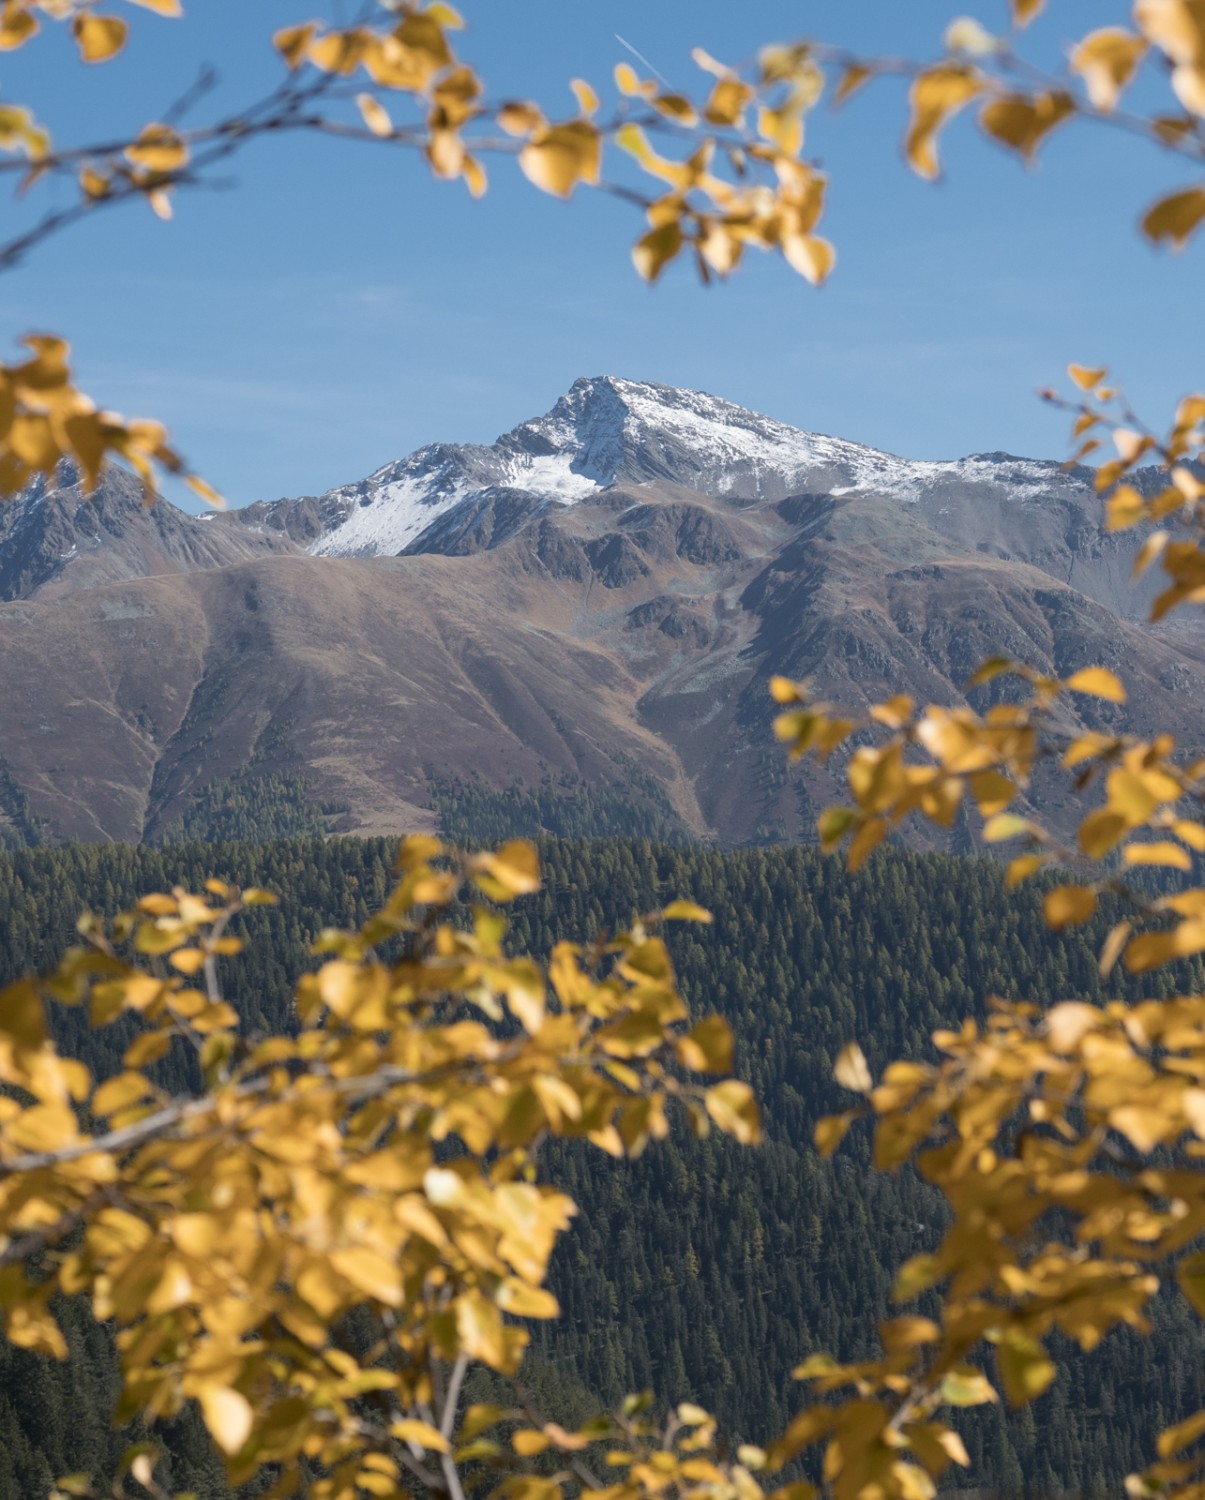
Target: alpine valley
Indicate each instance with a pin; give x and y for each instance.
(590, 608)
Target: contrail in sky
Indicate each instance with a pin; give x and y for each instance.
(640, 57)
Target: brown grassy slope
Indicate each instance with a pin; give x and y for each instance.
(639, 627)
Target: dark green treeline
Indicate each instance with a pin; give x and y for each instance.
(701, 1269)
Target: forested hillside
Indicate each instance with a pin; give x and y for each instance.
(702, 1268)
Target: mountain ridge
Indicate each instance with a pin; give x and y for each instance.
(617, 614)
(606, 430)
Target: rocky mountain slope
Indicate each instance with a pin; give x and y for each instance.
(602, 594)
(57, 539)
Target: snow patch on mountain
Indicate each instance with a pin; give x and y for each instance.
(383, 520)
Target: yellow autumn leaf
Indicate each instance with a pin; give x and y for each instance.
(1004, 825)
(524, 1301)
(934, 96)
(1098, 682)
(853, 77)
(474, 174)
(810, 255)
(369, 1272)
(528, 1441)
(967, 1387)
(1026, 1370)
(293, 43)
(1068, 905)
(1087, 377)
(992, 792)
(513, 870)
(19, 132)
(851, 1069)
(734, 1110)
(1182, 1435)
(587, 99)
(1163, 852)
(1191, 1276)
(99, 37)
(1125, 507)
(728, 100)
(17, 25)
(374, 115)
(561, 156)
(1022, 123)
(520, 118)
(411, 1430)
(1150, 950)
(653, 251)
(207, 493)
(1177, 27)
(830, 1131)
(707, 1047)
(1149, 551)
(1113, 946)
(159, 149)
(784, 127)
(1106, 60)
(119, 1092)
(1021, 868)
(686, 911)
(480, 1330)
(227, 1414)
(22, 1016)
(627, 81)
(970, 36)
(1175, 217)
(188, 960)
(675, 107)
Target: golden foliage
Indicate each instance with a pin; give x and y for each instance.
(382, 1161)
(1040, 1128)
(44, 419)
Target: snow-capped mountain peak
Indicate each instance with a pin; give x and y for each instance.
(606, 430)
(627, 431)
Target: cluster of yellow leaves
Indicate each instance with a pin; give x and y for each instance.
(771, 199)
(1177, 503)
(19, 131)
(1019, 113)
(410, 55)
(1068, 1145)
(927, 761)
(381, 1161)
(99, 37)
(45, 419)
(151, 162)
(150, 165)
(678, 1459)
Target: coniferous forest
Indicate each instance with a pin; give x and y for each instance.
(703, 1269)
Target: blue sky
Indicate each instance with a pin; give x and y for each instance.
(335, 308)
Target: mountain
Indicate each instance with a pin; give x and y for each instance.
(605, 432)
(56, 538)
(598, 598)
